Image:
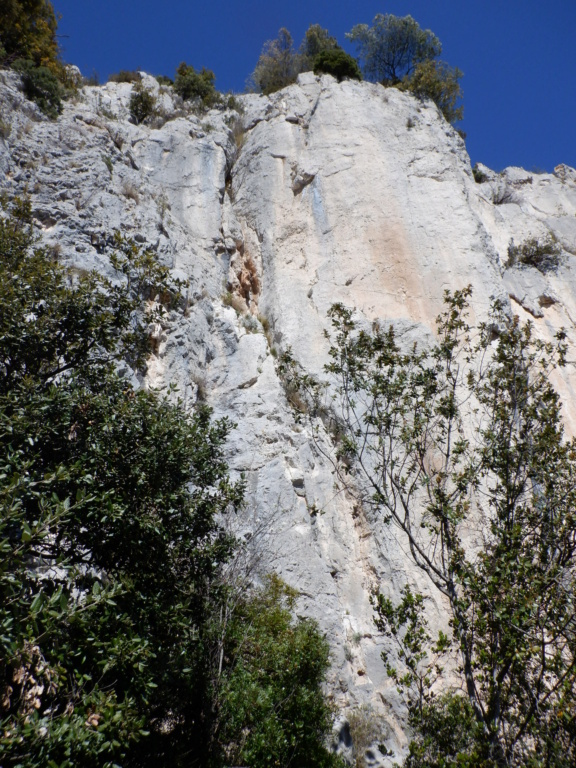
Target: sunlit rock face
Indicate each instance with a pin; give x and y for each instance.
(320, 193)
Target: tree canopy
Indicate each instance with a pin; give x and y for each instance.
(28, 31)
(397, 51)
(392, 47)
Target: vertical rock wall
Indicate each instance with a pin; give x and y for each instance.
(323, 192)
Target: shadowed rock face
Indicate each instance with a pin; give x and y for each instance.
(340, 192)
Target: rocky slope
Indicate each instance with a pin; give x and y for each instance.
(322, 192)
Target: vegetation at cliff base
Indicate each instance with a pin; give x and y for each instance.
(113, 646)
(460, 446)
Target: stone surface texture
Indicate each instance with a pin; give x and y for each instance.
(322, 192)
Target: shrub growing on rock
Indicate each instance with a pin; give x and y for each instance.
(439, 82)
(142, 103)
(316, 40)
(544, 255)
(191, 85)
(41, 86)
(337, 63)
(125, 76)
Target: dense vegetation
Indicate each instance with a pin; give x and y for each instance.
(461, 447)
(113, 649)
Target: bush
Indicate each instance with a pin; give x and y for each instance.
(535, 253)
(337, 63)
(479, 176)
(439, 82)
(142, 103)
(191, 85)
(273, 711)
(447, 735)
(125, 76)
(41, 86)
(316, 40)
(109, 545)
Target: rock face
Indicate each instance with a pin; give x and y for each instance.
(320, 193)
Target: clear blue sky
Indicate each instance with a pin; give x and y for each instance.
(518, 56)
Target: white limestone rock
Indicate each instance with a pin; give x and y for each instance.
(340, 192)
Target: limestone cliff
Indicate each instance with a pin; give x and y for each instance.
(320, 193)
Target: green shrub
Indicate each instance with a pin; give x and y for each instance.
(274, 712)
(479, 176)
(338, 63)
(439, 82)
(191, 85)
(316, 40)
(142, 103)
(544, 255)
(447, 735)
(125, 76)
(41, 86)
(164, 80)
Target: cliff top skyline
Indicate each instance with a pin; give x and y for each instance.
(518, 58)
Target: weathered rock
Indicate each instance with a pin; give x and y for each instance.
(341, 192)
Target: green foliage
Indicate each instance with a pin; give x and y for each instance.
(479, 176)
(544, 255)
(278, 64)
(465, 439)
(316, 40)
(406, 625)
(392, 47)
(274, 712)
(337, 63)
(142, 103)
(41, 86)
(125, 76)
(119, 642)
(447, 735)
(109, 545)
(191, 85)
(439, 82)
(28, 31)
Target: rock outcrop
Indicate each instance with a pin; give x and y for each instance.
(320, 193)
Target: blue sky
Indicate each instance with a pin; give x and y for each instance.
(518, 56)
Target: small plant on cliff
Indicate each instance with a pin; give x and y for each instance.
(41, 86)
(462, 448)
(542, 254)
(142, 103)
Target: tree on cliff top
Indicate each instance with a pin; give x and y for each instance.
(397, 51)
(392, 46)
